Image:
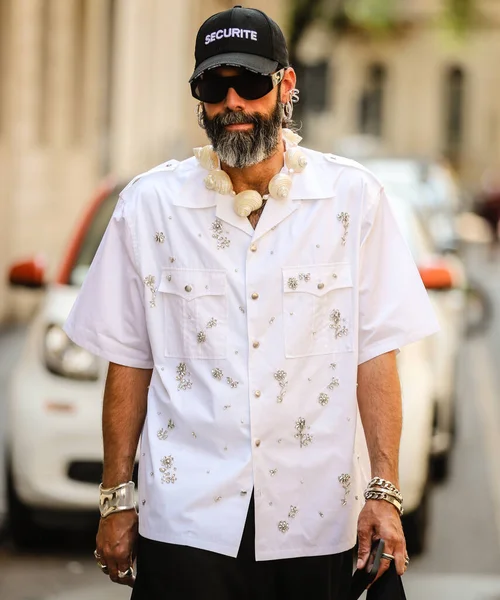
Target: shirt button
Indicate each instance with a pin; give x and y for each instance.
(257, 443)
(253, 248)
(255, 296)
(257, 393)
(321, 286)
(256, 344)
(188, 288)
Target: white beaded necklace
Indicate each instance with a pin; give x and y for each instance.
(249, 200)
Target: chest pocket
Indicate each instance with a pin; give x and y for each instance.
(318, 307)
(195, 313)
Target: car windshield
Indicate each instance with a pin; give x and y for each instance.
(92, 239)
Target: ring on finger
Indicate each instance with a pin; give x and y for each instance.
(128, 573)
(104, 568)
(387, 556)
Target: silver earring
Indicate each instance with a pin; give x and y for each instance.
(200, 115)
(288, 106)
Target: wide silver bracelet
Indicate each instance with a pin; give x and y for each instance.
(116, 499)
(381, 489)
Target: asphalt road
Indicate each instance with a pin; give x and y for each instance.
(463, 558)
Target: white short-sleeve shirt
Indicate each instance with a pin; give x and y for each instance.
(254, 338)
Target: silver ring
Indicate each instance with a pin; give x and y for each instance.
(104, 568)
(97, 555)
(128, 573)
(387, 556)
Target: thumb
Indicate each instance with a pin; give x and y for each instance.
(364, 548)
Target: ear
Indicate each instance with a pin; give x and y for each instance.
(288, 84)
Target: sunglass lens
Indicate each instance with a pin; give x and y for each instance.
(250, 86)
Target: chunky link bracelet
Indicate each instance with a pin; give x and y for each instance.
(116, 499)
(381, 489)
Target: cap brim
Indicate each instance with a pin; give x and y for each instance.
(252, 62)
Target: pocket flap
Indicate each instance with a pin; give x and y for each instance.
(316, 279)
(193, 283)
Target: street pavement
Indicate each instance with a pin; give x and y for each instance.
(463, 557)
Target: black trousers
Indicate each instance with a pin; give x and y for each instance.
(172, 572)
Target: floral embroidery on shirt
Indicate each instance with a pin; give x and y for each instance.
(162, 434)
(337, 323)
(334, 383)
(273, 472)
(323, 399)
(182, 377)
(345, 482)
(293, 283)
(302, 435)
(168, 470)
(345, 219)
(283, 526)
(280, 377)
(149, 282)
(217, 229)
(234, 384)
(305, 276)
(212, 323)
(159, 237)
(217, 374)
(293, 512)
(201, 337)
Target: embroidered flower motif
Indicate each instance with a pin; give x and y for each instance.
(333, 366)
(273, 472)
(159, 237)
(162, 434)
(232, 383)
(323, 399)
(334, 383)
(182, 377)
(218, 234)
(212, 323)
(167, 470)
(149, 282)
(345, 219)
(302, 435)
(337, 324)
(293, 512)
(201, 337)
(345, 482)
(293, 284)
(280, 377)
(305, 276)
(171, 424)
(283, 526)
(217, 374)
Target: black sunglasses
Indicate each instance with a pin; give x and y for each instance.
(250, 86)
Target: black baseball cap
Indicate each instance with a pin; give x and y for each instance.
(240, 37)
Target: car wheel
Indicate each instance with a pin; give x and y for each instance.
(415, 525)
(20, 526)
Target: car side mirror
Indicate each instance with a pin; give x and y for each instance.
(28, 273)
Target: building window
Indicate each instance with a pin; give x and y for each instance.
(371, 106)
(313, 85)
(454, 115)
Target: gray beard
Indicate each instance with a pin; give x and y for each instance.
(240, 149)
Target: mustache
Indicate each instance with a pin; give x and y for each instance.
(237, 118)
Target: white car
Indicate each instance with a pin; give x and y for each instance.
(54, 430)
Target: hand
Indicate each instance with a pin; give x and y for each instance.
(116, 544)
(381, 520)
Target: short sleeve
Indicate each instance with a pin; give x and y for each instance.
(394, 307)
(108, 318)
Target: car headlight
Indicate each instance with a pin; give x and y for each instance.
(65, 358)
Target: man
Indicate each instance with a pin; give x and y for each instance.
(248, 300)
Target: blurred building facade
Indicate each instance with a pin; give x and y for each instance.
(417, 91)
(88, 88)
